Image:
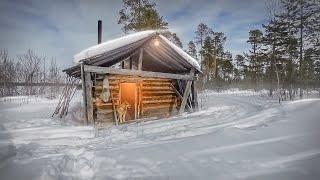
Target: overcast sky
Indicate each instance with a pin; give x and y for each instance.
(63, 28)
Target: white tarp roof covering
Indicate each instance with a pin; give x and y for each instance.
(127, 40)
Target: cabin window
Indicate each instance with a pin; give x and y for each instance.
(128, 92)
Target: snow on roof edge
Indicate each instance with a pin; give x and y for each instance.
(128, 39)
(182, 53)
(112, 44)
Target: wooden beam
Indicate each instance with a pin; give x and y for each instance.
(195, 96)
(140, 59)
(115, 117)
(130, 63)
(186, 94)
(88, 84)
(122, 65)
(178, 93)
(107, 70)
(84, 110)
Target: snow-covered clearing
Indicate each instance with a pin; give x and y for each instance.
(237, 135)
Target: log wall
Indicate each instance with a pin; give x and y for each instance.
(155, 97)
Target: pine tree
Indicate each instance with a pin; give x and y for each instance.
(227, 67)
(300, 16)
(173, 37)
(138, 15)
(256, 42)
(201, 32)
(240, 65)
(218, 41)
(192, 50)
(207, 52)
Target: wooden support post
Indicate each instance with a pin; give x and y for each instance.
(139, 99)
(140, 59)
(114, 109)
(130, 63)
(135, 102)
(186, 94)
(84, 110)
(195, 96)
(88, 84)
(178, 94)
(122, 65)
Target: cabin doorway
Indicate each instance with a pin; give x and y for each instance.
(128, 92)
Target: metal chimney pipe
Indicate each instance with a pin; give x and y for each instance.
(99, 31)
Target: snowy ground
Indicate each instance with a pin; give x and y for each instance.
(238, 135)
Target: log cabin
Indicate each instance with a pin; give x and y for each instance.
(145, 69)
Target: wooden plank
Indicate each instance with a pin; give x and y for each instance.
(157, 84)
(159, 101)
(169, 96)
(157, 88)
(140, 59)
(135, 102)
(84, 110)
(114, 109)
(89, 102)
(104, 111)
(130, 63)
(178, 94)
(115, 78)
(186, 94)
(195, 97)
(107, 70)
(157, 92)
(158, 106)
(100, 88)
(151, 80)
(139, 98)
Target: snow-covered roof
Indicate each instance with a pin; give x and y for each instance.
(166, 57)
(185, 55)
(112, 45)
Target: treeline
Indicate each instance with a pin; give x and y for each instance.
(27, 70)
(284, 54)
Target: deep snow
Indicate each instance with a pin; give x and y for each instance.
(236, 135)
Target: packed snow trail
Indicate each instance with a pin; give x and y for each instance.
(234, 136)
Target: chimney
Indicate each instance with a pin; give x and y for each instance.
(99, 31)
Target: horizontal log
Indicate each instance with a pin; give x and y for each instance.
(99, 88)
(117, 78)
(107, 70)
(158, 107)
(104, 111)
(170, 96)
(100, 83)
(157, 92)
(156, 83)
(150, 80)
(158, 101)
(157, 88)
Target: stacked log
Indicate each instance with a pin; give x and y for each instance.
(156, 97)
